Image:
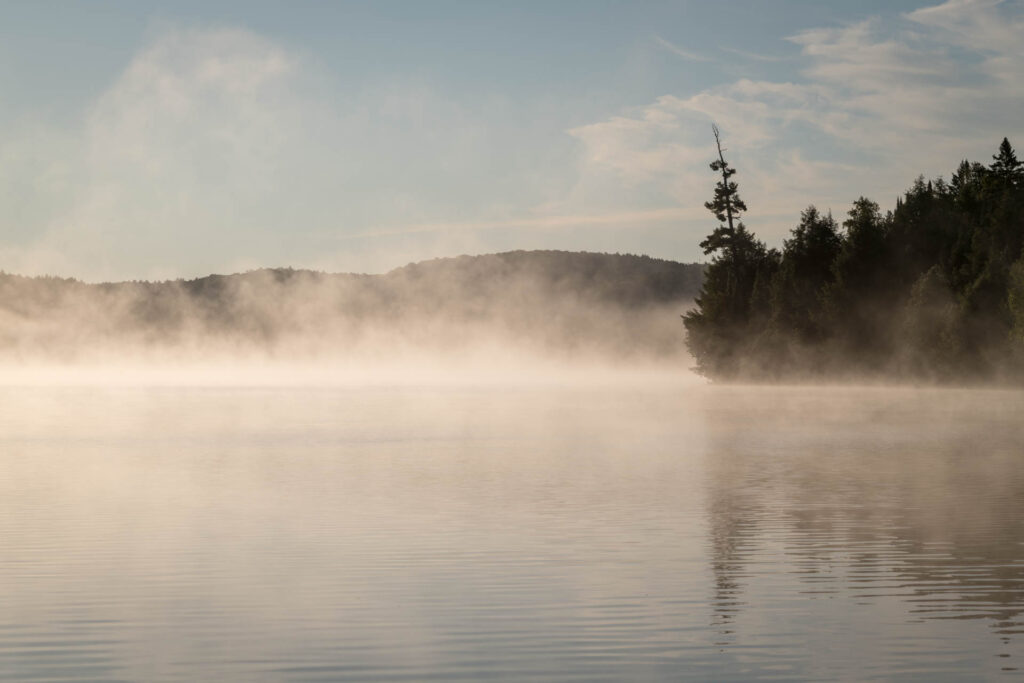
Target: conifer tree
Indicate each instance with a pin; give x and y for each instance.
(857, 299)
(1005, 165)
(720, 327)
(934, 289)
(806, 270)
(726, 205)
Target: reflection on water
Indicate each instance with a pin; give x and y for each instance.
(412, 533)
(866, 500)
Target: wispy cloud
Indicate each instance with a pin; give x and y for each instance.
(220, 149)
(680, 52)
(757, 57)
(173, 157)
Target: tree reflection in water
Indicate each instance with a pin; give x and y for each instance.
(869, 495)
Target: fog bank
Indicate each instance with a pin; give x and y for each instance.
(489, 315)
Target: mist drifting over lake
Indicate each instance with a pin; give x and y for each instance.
(430, 341)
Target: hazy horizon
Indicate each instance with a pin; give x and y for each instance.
(523, 308)
(286, 267)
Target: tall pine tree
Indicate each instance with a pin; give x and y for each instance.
(1005, 165)
(719, 329)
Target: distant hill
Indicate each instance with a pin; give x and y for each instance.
(551, 300)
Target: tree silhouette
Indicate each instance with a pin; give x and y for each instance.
(726, 205)
(1005, 165)
(738, 276)
(932, 289)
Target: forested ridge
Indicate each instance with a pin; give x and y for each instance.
(557, 300)
(930, 290)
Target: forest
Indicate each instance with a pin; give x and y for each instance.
(932, 290)
(565, 303)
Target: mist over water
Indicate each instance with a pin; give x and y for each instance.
(555, 527)
(286, 456)
(537, 305)
(491, 467)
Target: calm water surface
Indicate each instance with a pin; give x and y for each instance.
(623, 532)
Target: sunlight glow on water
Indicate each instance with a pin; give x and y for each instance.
(618, 532)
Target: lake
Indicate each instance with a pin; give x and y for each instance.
(611, 529)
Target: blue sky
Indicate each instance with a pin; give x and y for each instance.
(153, 140)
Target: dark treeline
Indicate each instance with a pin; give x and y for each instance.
(546, 300)
(931, 290)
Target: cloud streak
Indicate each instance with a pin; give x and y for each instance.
(680, 52)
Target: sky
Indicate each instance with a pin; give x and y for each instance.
(149, 140)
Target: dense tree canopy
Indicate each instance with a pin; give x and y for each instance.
(933, 289)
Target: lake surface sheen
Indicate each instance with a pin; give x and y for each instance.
(602, 532)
